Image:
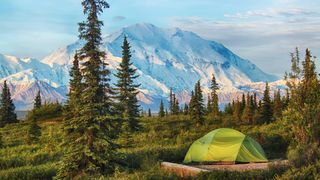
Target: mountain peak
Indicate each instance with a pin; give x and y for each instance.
(164, 59)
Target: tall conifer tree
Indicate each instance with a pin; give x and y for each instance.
(37, 101)
(196, 105)
(243, 102)
(34, 131)
(214, 103)
(7, 108)
(171, 101)
(149, 113)
(247, 116)
(277, 104)
(186, 109)
(266, 109)
(127, 89)
(161, 109)
(237, 112)
(90, 148)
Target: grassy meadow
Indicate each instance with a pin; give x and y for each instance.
(161, 139)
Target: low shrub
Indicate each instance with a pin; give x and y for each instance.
(46, 111)
(235, 175)
(307, 172)
(303, 154)
(41, 172)
(274, 145)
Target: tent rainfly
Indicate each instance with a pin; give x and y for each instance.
(225, 145)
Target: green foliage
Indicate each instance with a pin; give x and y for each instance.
(274, 145)
(311, 171)
(196, 109)
(7, 114)
(19, 160)
(40, 172)
(127, 90)
(304, 106)
(266, 113)
(302, 154)
(255, 174)
(247, 116)
(72, 106)
(167, 139)
(37, 101)
(213, 104)
(46, 111)
(277, 105)
(173, 104)
(34, 132)
(161, 109)
(236, 115)
(89, 147)
(149, 113)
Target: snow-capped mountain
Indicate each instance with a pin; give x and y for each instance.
(165, 58)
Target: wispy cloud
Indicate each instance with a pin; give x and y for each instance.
(273, 13)
(118, 18)
(266, 40)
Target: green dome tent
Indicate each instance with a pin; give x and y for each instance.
(225, 145)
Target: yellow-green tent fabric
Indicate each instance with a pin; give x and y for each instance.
(225, 145)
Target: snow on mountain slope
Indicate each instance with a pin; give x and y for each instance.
(23, 94)
(26, 76)
(165, 58)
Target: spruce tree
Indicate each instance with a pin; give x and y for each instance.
(295, 61)
(214, 102)
(89, 142)
(161, 109)
(266, 109)
(237, 112)
(71, 108)
(171, 101)
(285, 100)
(277, 105)
(303, 110)
(247, 116)
(186, 109)
(37, 101)
(1, 141)
(176, 106)
(149, 113)
(34, 131)
(228, 109)
(7, 108)
(196, 105)
(243, 102)
(127, 89)
(209, 107)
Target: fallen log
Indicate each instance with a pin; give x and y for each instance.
(182, 170)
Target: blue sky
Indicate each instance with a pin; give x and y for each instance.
(263, 31)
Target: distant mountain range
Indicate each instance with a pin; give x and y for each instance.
(165, 58)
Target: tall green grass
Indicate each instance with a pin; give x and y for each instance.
(161, 139)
